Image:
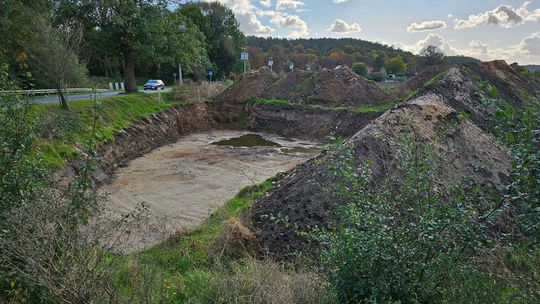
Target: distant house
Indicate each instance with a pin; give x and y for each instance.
(396, 78)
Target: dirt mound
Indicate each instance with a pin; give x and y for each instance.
(248, 85)
(418, 81)
(512, 84)
(469, 90)
(463, 149)
(341, 87)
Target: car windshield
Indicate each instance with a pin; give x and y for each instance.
(152, 81)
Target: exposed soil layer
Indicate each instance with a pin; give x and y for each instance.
(313, 123)
(452, 114)
(340, 87)
(183, 183)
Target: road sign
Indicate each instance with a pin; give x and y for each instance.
(210, 73)
(244, 56)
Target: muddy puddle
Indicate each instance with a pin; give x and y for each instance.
(181, 184)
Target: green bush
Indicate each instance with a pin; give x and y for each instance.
(399, 240)
(360, 68)
(377, 76)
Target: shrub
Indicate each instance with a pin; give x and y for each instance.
(360, 68)
(377, 76)
(398, 240)
(268, 282)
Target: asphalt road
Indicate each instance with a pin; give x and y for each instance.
(85, 96)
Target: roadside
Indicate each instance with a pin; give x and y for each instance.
(89, 95)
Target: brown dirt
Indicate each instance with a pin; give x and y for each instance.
(324, 125)
(180, 192)
(464, 144)
(340, 87)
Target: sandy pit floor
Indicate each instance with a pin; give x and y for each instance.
(183, 183)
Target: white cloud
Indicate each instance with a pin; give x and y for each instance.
(340, 26)
(294, 22)
(525, 51)
(435, 40)
(531, 45)
(479, 47)
(289, 4)
(504, 15)
(340, 1)
(266, 3)
(244, 11)
(426, 26)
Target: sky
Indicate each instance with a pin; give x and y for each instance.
(485, 29)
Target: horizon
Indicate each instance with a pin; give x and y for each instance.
(489, 30)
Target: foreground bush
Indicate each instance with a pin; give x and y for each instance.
(404, 240)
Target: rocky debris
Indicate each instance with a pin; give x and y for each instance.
(464, 145)
(340, 87)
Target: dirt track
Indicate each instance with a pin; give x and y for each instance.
(184, 182)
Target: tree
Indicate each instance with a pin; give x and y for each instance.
(54, 51)
(431, 56)
(360, 68)
(379, 63)
(225, 40)
(395, 65)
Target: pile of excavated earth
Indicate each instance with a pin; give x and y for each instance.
(338, 87)
(453, 114)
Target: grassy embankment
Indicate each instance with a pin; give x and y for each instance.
(376, 108)
(191, 270)
(64, 134)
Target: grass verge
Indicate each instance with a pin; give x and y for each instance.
(192, 273)
(64, 134)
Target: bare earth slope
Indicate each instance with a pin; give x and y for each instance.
(452, 114)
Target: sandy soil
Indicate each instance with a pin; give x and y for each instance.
(181, 184)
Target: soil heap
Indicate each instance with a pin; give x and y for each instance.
(453, 115)
(339, 87)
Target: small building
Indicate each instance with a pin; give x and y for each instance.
(395, 78)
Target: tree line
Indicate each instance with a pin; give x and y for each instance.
(364, 57)
(114, 39)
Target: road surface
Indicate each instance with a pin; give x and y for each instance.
(85, 96)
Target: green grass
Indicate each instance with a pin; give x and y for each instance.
(268, 102)
(184, 260)
(65, 133)
(362, 109)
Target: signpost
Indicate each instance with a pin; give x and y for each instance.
(244, 56)
(270, 63)
(210, 74)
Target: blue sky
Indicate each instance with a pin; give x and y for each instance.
(486, 29)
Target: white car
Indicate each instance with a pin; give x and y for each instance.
(154, 85)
